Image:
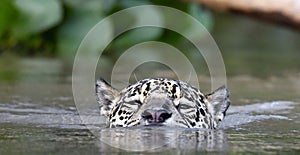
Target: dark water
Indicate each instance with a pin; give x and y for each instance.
(38, 115)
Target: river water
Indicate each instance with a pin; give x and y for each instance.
(38, 116)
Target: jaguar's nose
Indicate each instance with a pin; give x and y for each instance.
(156, 116)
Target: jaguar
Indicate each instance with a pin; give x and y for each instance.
(161, 102)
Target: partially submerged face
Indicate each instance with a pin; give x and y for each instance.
(163, 102)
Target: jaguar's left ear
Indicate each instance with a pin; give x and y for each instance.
(218, 103)
(106, 96)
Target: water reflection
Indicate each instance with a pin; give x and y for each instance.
(153, 139)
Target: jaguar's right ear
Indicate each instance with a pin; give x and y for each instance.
(218, 103)
(107, 96)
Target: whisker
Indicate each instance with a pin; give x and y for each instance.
(136, 80)
(190, 75)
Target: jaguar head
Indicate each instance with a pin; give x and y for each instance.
(161, 102)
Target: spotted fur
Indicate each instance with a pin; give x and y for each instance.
(161, 101)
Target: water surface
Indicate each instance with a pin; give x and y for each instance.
(38, 115)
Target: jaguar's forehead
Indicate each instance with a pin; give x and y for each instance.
(149, 87)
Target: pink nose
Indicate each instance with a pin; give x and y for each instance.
(156, 116)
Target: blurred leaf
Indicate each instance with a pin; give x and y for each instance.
(132, 3)
(72, 32)
(140, 34)
(95, 6)
(7, 12)
(108, 5)
(201, 14)
(36, 16)
(77, 25)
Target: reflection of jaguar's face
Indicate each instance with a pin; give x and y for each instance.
(161, 101)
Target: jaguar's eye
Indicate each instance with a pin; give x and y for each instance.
(135, 103)
(138, 102)
(184, 106)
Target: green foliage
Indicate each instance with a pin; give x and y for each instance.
(36, 16)
(202, 14)
(56, 27)
(139, 34)
(82, 16)
(7, 13)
